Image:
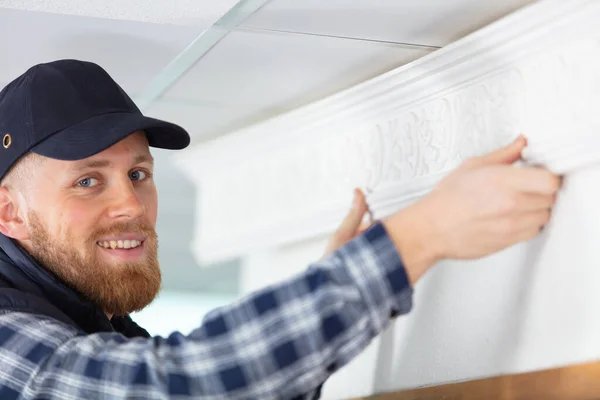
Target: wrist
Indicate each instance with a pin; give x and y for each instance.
(410, 231)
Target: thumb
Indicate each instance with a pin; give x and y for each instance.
(353, 220)
(506, 155)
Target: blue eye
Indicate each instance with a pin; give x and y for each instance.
(88, 182)
(137, 175)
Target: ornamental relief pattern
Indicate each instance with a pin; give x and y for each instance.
(541, 96)
(436, 136)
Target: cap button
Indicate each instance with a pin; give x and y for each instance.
(7, 141)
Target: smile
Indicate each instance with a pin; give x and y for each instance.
(120, 244)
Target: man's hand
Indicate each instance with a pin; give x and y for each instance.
(484, 206)
(351, 226)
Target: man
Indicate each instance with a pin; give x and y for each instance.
(78, 253)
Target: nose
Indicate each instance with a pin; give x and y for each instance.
(125, 202)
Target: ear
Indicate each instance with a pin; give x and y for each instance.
(11, 223)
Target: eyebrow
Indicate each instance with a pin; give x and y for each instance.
(103, 163)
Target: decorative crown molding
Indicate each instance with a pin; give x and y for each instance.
(290, 178)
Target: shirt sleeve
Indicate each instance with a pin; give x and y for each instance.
(283, 341)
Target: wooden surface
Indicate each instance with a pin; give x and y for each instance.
(576, 382)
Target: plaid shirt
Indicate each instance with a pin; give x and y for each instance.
(282, 342)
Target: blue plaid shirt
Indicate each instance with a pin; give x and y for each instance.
(281, 342)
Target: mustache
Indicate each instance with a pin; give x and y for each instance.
(118, 228)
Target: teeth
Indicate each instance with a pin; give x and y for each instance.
(120, 244)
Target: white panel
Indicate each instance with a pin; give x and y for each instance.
(132, 52)
(431, 22)
(273, 73)
(200, 13)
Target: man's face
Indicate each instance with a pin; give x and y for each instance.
(92, 221)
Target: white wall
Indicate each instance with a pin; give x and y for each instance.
(561, 311)
(532, 306)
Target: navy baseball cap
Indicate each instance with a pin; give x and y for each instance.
(71, 109)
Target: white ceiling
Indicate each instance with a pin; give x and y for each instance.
(424, 22)
(289, 53)
(133, 52)
(250, 76)
(198, 13)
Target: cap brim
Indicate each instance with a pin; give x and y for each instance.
(98, 133)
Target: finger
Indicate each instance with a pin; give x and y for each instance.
(526, 235)
(529, 202)
(533, 220)
(506, 155)
(534, 180)
(530, 226)
(351, 223)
